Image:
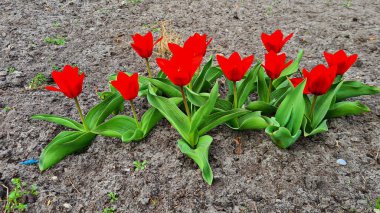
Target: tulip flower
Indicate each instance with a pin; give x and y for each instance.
(198, 43)
(70, 83)
(274, 65)
(180, 69)
(341, 60)
(128, 87)
(275, 41)
(195, 45)
(234, 68)
(319, 81)
(143, 45)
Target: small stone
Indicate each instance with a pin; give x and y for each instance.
(54, 178)
(3, 73)
(144, 201)
(341, 162)
(67, 205)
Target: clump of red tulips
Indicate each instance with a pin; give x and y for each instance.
(187, 95)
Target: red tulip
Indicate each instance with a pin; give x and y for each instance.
(275, 64)
(128, 86)
(341, 60)
(198, 43)
(275, 41)
(69, 81)
(318, 80)
(180, 68)
(143, 45)
(234, 68)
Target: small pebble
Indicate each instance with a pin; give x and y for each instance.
(341, 162)
(67, 205)
(54, 178)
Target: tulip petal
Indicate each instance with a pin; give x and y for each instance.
(51, 88)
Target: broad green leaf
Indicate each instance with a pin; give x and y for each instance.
(212, 75)
(291, 111)
(219, 118)
(204, 111)
(252, 121)
(262, 86)
(199, 155)
(116, 126)
(351, 89)
(64, 144)
(199, 99)
(323, 105)
(282, 137)
(131, 135)
(150, 118)
(172, 113)
(308, 131)
(264, 107)
(101, 111)
(247, 85)
(200, 79)
(346, 108)
(59, 120)
(165, 86)
(278, 95)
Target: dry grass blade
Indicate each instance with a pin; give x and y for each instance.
(168, 36)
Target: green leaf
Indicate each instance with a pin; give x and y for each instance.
(346, 108)
(150, 118)
(308, 131)
(323, 105)
(64, 144)
(172, 113)
(199, 99)
(131, 135)
(281, 136)
(199, 155)
(278, 95)
(262, 86)
(200, 79)
(116, 126)
(291, 111)
(166, 86)
(351, 89)
(253, 121)
(59, 120)
(293, 67)
(264, 107)
(100, 112)
(247, 85)
(212, 75)
(219, 118)
(205, 110)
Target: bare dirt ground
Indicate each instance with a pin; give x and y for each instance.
(305, 178)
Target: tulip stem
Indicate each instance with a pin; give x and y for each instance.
(148, 68)
(269, 90)
(235, 95)
(185, 103)
(80, 114)
(312, 106)
(134, 113)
